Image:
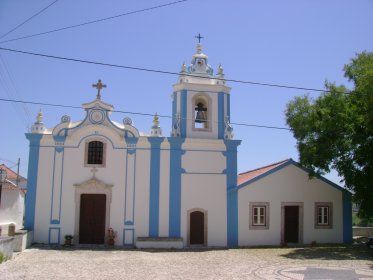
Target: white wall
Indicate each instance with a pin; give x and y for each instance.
(290, 184)
(11, 209)
(204, 186)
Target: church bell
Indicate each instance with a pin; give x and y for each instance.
(200, 113)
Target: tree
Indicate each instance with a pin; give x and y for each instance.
(335, 131)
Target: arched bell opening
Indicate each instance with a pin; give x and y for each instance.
(201, 116)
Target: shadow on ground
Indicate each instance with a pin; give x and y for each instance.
(343, 252)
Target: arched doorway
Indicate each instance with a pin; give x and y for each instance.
(197, 222)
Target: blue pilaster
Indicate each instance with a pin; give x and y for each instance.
(221, 115)
(175, 186)
(232, 200)
(32, 179)
(183, 113)
(347, 217)
(155, 163)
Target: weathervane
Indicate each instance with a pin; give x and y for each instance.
(99, 86)
(199, 37)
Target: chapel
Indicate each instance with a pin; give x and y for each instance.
(100, 177)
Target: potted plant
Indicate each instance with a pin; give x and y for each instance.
(111, 237)
(68, 239)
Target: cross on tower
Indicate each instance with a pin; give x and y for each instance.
(199, 37)
(99, 86)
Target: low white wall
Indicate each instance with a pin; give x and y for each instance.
(362, 231)
(6, 246)
(159, 243)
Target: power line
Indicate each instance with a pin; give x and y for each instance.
(135, 113)
(161, 71)
(30, 18)
(94, 21)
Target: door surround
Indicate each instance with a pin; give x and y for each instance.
(300, 223)
(92, 186)
(204, 225)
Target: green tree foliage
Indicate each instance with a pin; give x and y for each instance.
(335, 131)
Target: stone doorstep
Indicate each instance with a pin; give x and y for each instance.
(159, 243)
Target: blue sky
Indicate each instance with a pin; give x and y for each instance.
(298, 43)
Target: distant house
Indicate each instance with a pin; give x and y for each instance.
(279, 204)
(12, 199)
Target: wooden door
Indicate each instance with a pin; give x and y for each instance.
(92, 219)
(291, 227)
(197, 228)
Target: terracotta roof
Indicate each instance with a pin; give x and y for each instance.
(249, 175)
(11, 178)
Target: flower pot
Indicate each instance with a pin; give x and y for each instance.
(110, 242)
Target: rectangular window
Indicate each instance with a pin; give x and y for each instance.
(95, 153)
(323, 215)
(259, 215)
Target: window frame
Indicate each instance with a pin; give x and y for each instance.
(86, 153)
(257, 224)
(324, 224)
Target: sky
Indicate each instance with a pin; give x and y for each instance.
(296, 43)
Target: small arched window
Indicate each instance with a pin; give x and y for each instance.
(95, 152)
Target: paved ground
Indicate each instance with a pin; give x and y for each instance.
(351, 262)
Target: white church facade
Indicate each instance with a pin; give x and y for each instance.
(88, 176)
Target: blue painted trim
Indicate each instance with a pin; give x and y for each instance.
(57, 221)
(174, 108)
(124, 237)
(228, 106)
(175, 186)
(32, 179)
(286, 163)
(96, 135)
(60, 138)
(183, 113)
(347, 217)
(269, 172)
(49, 235)
(155, 162)
(232, 200)
(221, 115)
(203, 173)
(126, 220)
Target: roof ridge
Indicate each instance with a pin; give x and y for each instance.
(266, 166)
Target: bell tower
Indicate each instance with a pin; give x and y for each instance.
(201, 101)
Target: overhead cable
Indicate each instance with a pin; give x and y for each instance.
(94, 21)
(134, 113)
(27, 20)
(162, 71)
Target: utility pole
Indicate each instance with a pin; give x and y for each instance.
(17, 180)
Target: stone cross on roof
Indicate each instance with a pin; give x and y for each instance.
(99, 86)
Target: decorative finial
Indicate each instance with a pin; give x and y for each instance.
(199, 37)
(220, 70)
(99, 86)
(156, 120)
(156, 131)
(183, 68)
(39, 117)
